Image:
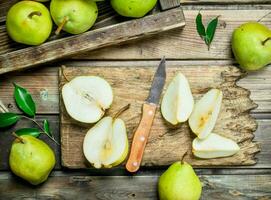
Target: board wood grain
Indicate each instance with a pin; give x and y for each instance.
(185, 43)
(68, 185)
(167, 144)
(44, 83)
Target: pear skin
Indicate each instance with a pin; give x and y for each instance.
(133, 8)
(29, 22)
(32, 160)
(251, 46)
(75, 16)
(179, 182)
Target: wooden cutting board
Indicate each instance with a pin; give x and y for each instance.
(166, 143)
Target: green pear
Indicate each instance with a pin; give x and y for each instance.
(179, 182)
(29, 22)
(133, 8)
(251, 46)
(74, 16)
(31, 159)
(42, 0)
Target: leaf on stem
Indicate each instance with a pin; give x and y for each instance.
(28, 131)
(210, 32)
(200, 26)
(46, 127)
(8, 119)
(24, 100)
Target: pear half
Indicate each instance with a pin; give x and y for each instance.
(87, 97)
(214, 146)
(106, 144)
(205, 113)
(177, 103)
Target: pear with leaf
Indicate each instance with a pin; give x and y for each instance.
(31, 159)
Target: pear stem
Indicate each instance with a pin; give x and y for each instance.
(121, 111)
(38, 13)
(64, 21)
(18, 137)
(184, 156)
(267, 39)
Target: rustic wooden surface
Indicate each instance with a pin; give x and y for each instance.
(166, 144)
(249, 182)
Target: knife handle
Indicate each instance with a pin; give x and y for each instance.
(140, 137)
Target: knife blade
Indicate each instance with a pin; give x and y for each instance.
(148, 112)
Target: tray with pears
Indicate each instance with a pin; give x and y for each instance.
(41, 31)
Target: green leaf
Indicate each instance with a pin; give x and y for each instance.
(28, 131)
(24, 101)
(8, 119)
(46, 127)
(200, 26)
(210, 32)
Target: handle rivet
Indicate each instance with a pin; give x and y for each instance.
(150, 112)
(135, 164)
(142, 138)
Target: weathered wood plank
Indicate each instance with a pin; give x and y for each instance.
(184, 44)
(172, 142)
(168, 4)
(44, 83)
(68, 186)
(262, 136)
(91, 40)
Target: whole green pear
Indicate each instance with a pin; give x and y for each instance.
(251, 46)
(31, 159)
(179, 182)
(42, 0)
(74, 16)
(133, 8)
(29, 22)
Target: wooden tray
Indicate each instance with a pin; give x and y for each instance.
(109, 29)
(167, 144)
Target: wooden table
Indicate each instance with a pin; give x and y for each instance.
(180, 47)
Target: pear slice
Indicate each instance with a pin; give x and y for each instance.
(205, 113)
(177, 103)
(214, 146)
(87, 97)
(106, 144)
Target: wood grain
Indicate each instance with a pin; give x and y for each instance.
(101, 37)
(167, 144)
(262, 136)
(44, 83)
(68, 185)
(168, 4)
(185, 44)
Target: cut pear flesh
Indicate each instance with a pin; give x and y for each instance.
(205, 113)
(214, 146)
(177, 103)
(106, 144)
(87, 97)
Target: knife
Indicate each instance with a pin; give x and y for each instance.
(148, 112)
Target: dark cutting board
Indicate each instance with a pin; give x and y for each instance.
(167, 144)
